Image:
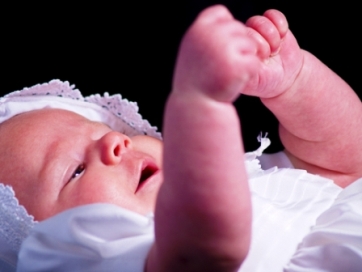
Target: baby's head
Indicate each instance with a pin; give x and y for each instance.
(59, 150)
(56, 159)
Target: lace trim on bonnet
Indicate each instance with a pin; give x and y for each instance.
(57, 90)
(120, 114)
(15, 222)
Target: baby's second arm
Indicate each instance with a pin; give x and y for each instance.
(320, 115)
(203, 213)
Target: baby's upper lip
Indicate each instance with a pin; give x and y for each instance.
(148, 168)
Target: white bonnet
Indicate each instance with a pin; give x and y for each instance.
(120, 114)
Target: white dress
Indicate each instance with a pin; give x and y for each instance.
(301, 222)
(96, 237)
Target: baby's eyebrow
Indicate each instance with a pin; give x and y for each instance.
(101, 124)
(97, 123)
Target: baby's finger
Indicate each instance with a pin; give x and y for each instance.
(279, 21)
(267, 30)
(262, 46)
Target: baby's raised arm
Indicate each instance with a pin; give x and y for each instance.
(203, 213)
(320, 115)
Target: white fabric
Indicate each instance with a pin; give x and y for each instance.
(335, 243)
(96, 237)
(286, 204)
(15, 225)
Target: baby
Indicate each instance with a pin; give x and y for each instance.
(58, 161)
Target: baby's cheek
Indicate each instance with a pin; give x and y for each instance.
(40, 203)
(149, 145)
(90, 190)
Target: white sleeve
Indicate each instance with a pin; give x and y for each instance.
(96, 237)
(335, 243)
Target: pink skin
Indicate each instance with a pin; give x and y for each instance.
(319, 114)
(203, 211)
(208, 227)
(110, 165)
(280, 56)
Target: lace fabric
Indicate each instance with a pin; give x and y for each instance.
(123, 109)
(15, 223)
(10, 208)
(120, 114)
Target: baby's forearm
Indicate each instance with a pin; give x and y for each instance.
(203, 209)
(320, 119)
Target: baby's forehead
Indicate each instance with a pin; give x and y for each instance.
(45, 122)
(28, 136)
(47, 117)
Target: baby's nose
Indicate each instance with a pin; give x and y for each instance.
(112, 146)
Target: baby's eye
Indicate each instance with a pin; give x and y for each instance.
(78, 171)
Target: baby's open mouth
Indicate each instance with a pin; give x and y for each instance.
(148, 170)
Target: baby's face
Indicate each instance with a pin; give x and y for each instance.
(56, 160)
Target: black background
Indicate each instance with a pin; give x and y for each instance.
(130, 48)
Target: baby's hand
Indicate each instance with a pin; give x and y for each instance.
(221, 57)
(281, 58)
(217, 56)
